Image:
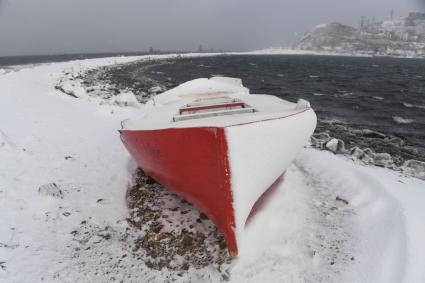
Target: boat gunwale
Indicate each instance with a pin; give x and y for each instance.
(220, 127)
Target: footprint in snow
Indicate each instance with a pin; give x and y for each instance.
(51, 189)
(4, 141)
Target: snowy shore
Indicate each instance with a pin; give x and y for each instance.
(62, 164)
(342, 53)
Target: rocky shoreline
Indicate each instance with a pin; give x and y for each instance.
(370, 147)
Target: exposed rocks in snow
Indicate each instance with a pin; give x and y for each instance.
(163, 234)
(364, 145)
(71, 85)
(176, 235)
(402, 37)
(155, 90)
(357, 152)
(370, 134)
(342, 200)
(50, 189)
(107, 82)
(115, 253)
(319, 140)
(335, 145)
(368, 156)
(415, 168)
(383, 160)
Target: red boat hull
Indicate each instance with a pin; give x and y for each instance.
(192, 162)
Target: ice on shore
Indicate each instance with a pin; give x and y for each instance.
(415, 168)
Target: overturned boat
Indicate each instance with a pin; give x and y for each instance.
(219, 147)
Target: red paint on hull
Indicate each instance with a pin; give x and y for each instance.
(192, 162)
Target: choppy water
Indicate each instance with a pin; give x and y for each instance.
(385, 96)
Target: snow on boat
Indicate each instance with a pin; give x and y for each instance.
(218, 146)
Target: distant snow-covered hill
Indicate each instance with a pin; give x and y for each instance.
(403, 37)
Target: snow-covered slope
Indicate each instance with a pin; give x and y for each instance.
(403, 37)
(62, 164)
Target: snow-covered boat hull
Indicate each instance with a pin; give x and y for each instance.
(195, 164)
(221, 164)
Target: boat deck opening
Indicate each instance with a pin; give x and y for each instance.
(212, 107)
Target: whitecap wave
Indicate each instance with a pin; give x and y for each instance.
(402, 120)
(408, 105)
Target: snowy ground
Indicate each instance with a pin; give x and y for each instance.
(343, 53)
(294, 51)
(64, 174)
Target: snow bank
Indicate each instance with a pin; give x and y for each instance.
(55, 140)
(334, 220)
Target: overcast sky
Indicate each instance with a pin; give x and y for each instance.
(79, 26)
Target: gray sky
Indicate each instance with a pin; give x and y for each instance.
(78, 26)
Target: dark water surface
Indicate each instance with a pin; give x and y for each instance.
(363, 92)
(385, 95)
